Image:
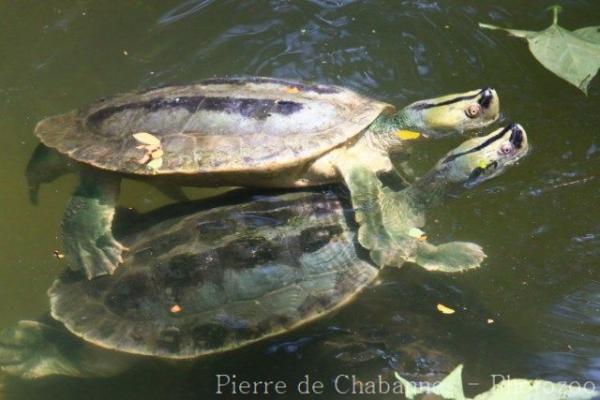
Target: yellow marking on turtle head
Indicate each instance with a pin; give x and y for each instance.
(483, 163)
(404, 134)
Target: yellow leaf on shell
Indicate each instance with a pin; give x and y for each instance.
(147, 138)
(292, 90)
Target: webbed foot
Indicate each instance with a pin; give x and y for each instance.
(384, 217)
(87, 227)
(96, 256)
(27, 352)
(33, 349)
(450, 257)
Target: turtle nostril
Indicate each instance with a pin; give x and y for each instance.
(487, 95)
(516, 136)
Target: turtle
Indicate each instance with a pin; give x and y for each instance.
(250, 131)
(228, 276)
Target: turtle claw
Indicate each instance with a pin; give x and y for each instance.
(96, 257)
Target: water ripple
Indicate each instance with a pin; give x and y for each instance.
(183, 10)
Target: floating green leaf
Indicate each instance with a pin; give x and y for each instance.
(572, 55)
(451, 388)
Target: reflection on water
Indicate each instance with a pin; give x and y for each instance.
(570, 342)
(183, 10)
(538, 223)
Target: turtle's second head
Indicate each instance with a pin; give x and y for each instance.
(456, 112)
(482, 158)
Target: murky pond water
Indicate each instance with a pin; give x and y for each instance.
(539, 223)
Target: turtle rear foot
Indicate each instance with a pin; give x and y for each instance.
(33, 349)
(27, 352)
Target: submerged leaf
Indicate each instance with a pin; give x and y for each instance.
(176, 309)
(445, 309)
(573, 56)
(451, 388)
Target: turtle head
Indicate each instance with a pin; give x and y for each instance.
(482, 158)
(456, 112)
(44, 166)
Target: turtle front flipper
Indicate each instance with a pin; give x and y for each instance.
(33, 349)
(389, 227)
(87, 225)
(384, 217)
(449, 257)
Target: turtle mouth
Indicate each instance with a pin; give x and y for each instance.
(480, 174)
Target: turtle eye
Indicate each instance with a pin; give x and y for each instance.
(473, 110)
(506, 148)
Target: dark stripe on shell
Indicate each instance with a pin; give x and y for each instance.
(254, 218)
(247, 253)
(188, 270)
(304, 87)
(129, 296)
(479, 147)
(247, 107)
(312, 239)
(423, 106)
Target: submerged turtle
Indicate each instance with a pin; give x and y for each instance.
(263, 132)
(225, 277)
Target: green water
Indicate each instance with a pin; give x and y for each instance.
(539, 223)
